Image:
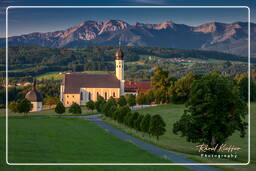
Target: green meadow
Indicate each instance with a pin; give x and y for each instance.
(171, 113)
(60, 140)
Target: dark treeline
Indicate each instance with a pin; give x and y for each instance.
(65, 56)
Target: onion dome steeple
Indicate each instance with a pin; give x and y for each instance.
(119, 54)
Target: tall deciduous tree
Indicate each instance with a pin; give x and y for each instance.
(181, 89)
(214, 112)
(157, 126)
(161, 82)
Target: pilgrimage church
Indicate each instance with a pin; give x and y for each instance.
(81, 87)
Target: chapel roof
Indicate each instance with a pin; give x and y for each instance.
(74, 81)
(33, 95)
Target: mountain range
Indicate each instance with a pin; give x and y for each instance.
(223, 37)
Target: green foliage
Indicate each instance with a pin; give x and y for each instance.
(150, 96)
(13, 106)
(50, 101)
(157, 126)
(75, 109)
(144, 125)
(121, 101)
(242, 82)
(180, 91)
(109, 107)
(142, 99)
(214, 111)
(24, 106)
(138, 122)
(122, 112)
(60, 109)
(131, 100)
(132, 119)
(161, 82)
(99, 103)
(90, 105)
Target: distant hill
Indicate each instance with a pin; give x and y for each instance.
(222, 37)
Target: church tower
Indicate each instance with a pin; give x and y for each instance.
(120, 68)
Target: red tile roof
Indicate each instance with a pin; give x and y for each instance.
(137, 86)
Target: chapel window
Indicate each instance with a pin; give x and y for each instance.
(81, 96)
(106, 95)
(89, 96)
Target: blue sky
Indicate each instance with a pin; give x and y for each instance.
(23, 21)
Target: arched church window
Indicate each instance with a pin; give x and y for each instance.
(81, 96)
(89, 96)
(106, 95)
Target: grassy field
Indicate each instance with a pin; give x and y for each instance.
(58, 76)
(171, 113)
(50, 75)
(69, 140)
(48, 112)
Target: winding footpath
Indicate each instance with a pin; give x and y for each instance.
(175, 157)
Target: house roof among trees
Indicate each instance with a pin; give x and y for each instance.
(74, 81)
(137, 86)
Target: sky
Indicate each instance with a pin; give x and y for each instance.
(27, 20)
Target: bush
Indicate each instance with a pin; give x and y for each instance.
(90, 105)
(24, 106)
(75, 109)
(99, 103)
(13, 106)
(60, 109)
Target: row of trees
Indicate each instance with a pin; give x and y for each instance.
(120, 111)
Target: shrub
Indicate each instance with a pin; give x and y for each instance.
(99, 103)
(75, 109)
(60, 109)
(90, 105)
